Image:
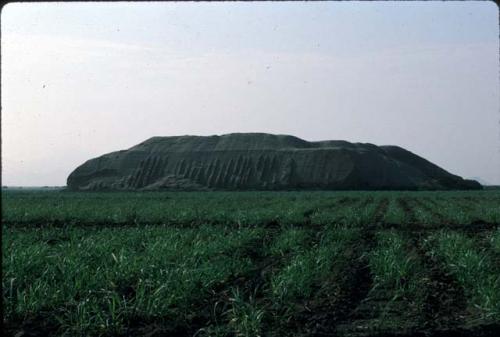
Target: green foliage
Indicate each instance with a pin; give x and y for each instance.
(473, 267)
(319, 208)
(309, 268)
(231, 208)
(236, 263)
(395, 214)
(355, 209)
(395, 267)
(245, 318)
(291, 241)
(461, 209)
(109, 275)
(495, 240)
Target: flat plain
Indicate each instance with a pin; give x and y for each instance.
(313, 263)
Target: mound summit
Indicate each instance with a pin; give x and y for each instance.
(259, 161)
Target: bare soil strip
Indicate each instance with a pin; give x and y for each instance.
(358, 290)
(405, 205)
(380, 211)
(445, 303)
(334, 302)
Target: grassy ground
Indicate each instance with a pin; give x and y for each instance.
(251, 263)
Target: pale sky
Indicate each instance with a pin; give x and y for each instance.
(83, 79)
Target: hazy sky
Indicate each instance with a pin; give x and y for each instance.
(83, 79)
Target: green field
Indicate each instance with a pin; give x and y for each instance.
(251, 263)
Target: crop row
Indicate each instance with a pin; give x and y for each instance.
(252, 208)
(217, 280)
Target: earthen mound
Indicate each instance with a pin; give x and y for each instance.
(258, 161)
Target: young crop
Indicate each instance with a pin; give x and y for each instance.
(395, 214)
(230, 208)
(245, 318)
(290, 241)
(237, 208)
(474, 269)
(488, 211)
(355, 211)
(495, 241)
(424, 212)
(459, 210)
(309, 268)
(362, 215)
(246, 263)
(110, 275)
(395, 267)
